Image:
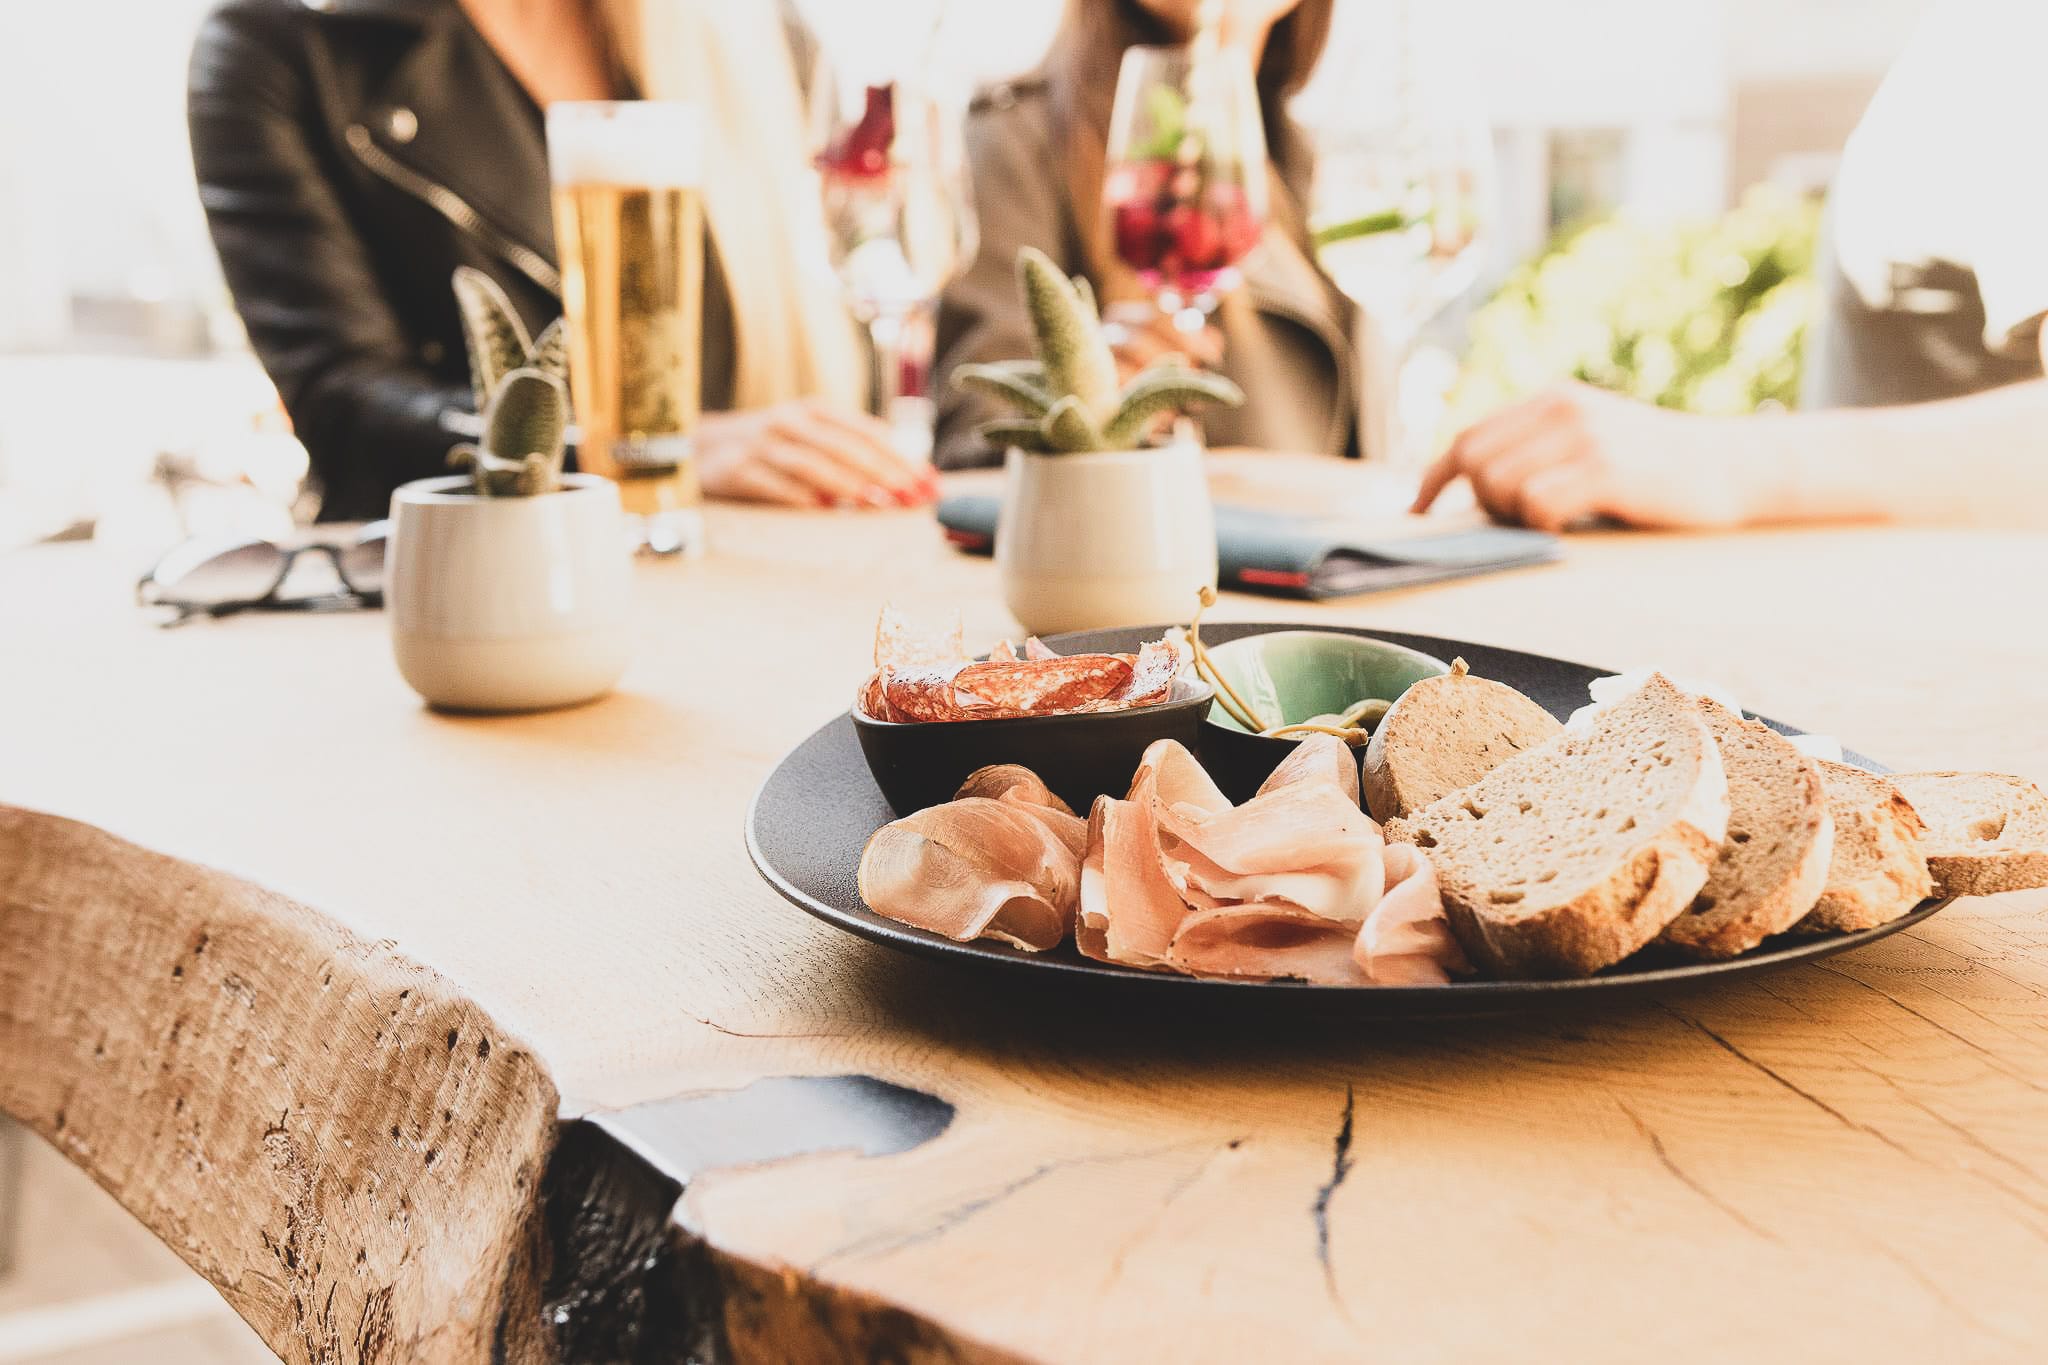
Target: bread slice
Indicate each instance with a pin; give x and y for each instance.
(1986, 832)
(1774, 863)
(1878, 872)
(1446, 733)
(1569, 857)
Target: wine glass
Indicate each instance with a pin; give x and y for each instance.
(892, 182)
(1400, 211)
(1184, 182)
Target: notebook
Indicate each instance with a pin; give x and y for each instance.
(1291, 555)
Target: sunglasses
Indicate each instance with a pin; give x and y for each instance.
(221, 577)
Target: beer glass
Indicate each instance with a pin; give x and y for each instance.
(629, 228)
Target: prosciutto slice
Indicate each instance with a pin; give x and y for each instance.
(1124, 867)
(1297, 882)
(1005, 868)
(1406, 940)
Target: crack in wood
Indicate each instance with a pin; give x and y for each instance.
(1935, 1024)
(1816, 1101)
(1679, 1174)
(1340, 1168)
(885, 1243)
(1173, 1193)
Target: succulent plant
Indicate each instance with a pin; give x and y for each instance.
(1068, 399)
(521, 386)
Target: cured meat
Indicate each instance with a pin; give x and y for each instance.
(1295, 883)
(1267, 942)
(925, 677)
(1317, 758)
(1011, 782)
(1008, 870)
(1043, 686)
(1406, 940)
(924, 694)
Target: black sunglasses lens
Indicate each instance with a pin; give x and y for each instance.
(362, 563)
(219, 575)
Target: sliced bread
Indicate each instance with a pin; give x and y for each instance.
(1774, 863)
(1446, 733)
(1572, 855)
(1877, 872)
(1986, 832)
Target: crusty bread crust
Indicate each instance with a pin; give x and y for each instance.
(1601, 927)
(1963, 866)
(1878, 872)
(1745, 913)
(1511, 933)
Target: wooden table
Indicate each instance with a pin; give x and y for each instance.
(329, 1073)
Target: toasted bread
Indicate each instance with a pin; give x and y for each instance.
(1574, 854)
(1774, 863)
(1446, 733)
(1986, 832)
(1877, 872)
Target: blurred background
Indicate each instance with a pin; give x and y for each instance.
(1638, 182)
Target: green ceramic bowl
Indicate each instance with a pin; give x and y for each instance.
(1295, 675)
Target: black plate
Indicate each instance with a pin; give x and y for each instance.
(814, 814)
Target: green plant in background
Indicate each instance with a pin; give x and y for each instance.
(521, 387)
(1069, 396)
(1704, 317)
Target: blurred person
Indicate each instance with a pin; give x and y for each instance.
(352, 153)
(1924, 375)
(1035, 149)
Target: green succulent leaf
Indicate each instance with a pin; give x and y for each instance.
(1078, 362)
(550, 353)
(1005, 383)
(1067, 428)
(1165, 387)
(524, 426)
(497, 340)
(1016, 431)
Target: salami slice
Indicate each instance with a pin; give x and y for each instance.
(925, 694)
(1044, 686)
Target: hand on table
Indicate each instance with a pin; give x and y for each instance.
(808, 453)
(1578, 452)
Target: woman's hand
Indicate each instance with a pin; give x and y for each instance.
(1140, 335)
(808, 453)
(1579, 452)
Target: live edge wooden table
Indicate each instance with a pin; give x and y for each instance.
(439, 1039)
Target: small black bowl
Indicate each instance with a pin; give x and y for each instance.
(1079, 757)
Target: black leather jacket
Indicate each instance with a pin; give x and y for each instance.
(351, 154)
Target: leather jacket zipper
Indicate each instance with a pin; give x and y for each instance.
(453, 207)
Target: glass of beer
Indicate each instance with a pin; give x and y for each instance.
(630, 231)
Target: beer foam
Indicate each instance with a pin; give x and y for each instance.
(656, 143)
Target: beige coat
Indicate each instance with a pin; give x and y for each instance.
(1286, 333)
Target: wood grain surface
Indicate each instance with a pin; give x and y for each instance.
(1846, 1161)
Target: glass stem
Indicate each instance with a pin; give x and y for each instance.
(885, 336)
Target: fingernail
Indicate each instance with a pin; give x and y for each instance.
(874, 495)
(827, 500)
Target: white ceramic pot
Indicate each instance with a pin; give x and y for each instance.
(508, 604)
(1109, 538)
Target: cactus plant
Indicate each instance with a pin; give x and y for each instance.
(1068, 398)
(521, 387)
